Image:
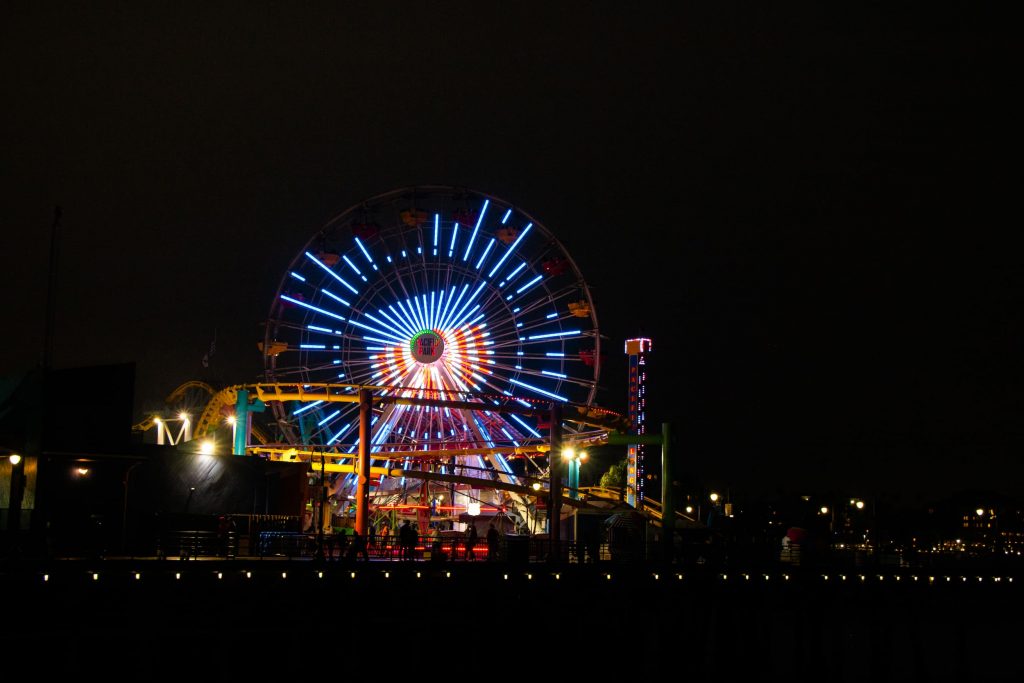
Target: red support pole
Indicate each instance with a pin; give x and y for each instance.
(363, 480)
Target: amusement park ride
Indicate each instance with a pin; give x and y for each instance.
(429, 348)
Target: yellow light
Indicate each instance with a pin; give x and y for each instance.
(557, 577)
(177, 575)
(583, 455)
(46, 577)
(387, 575)
(220, 575)
(713, 497)
(824, 510)
(284, 575)
(183, 417)
(138, 576)
(529, 576)
(536, 486)
(157, 421)
(231, 419)
(95, 577)
(689, 509)
(353, 575)
(448, 574)
(15, 458)
(320, 575)
(82, 471)
(859, 504)
(568, 453)
(206, 447)
(979, 512)
(248, 575)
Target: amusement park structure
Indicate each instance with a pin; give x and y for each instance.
(432, 348)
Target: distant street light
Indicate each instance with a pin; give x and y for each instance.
(713, 497)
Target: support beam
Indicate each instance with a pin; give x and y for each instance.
(363, 478)
(668, 504)
(241, 422)
(555, 471)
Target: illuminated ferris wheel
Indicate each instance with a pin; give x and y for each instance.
(432, 290)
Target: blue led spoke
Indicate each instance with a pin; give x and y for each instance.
(365, 253)
(331, 272)
(298, 277)
(529, 284)
(376, 331)
(553, 374)
(511, 276)
(509, 251)
(476, 229)
(335, 297)
(341, 432)
(507, 214)
(430, 318)
(470, 300)
(526, 426)
(312, 346)
(465, 288)
(383, 324)
(352, 265)
(567, 333)
(549, 316)
(437, 221)
(408, 315)
(312, 308)
(455, 233)
(486, 251)
(537, 389)
(553, 354)
(444, 312)
(419, 312)
(307, 407)
(405, 319)
(327, 419)
(405, 328)
(319, 329)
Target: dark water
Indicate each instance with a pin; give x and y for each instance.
(478, 624)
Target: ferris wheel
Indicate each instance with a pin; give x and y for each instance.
(438, 290)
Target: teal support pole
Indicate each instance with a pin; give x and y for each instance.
(574, 478)
(241, 422)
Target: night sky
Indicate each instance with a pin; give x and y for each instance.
(809, 210)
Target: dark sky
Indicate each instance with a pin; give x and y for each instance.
(808, 209)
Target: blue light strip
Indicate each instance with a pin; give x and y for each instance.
(554, 354)
(408, 314)
(430, 317)
(383, 324)
(510, 250)
(327, 419)
(529, 284)
(330, 272)
(402, 326)
(553, 334)
(444, 311)
(553, 374)
(365, 253)
(437, 221)
(549, 316)
(538, 390)
(352, 265)
(312, 308)
(306, 407)
(476, 229)
(486, 251)
(507, 214)
(526, 426)
(466, 316)
(405, 319)
(341, 432)
(320, 329)
(455, 233)
(465, 288)
(335, 297)
(298, 277)
(476, 293)
(312, 346)
(376, 331)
